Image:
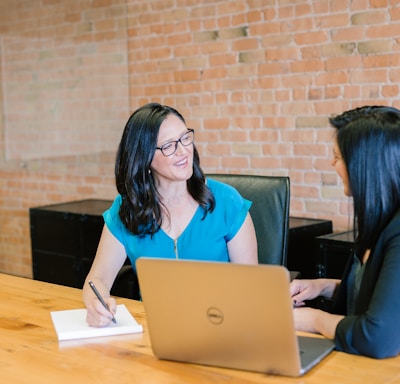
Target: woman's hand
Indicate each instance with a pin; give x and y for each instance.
(97, 315)
(316, 321)
(304, 319)
(302, 290)
(310, 319)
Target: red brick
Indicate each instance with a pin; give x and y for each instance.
(257, 79)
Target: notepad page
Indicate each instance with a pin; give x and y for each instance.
(71, 324)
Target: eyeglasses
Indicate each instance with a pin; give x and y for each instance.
(168, 149)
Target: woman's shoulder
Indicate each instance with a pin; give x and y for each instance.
(227, 194)
(393, 227)
(112, 213)
(116, 203)
(219, 188)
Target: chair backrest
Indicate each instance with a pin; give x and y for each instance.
(270, 212)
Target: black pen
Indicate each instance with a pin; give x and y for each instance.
(97, 293)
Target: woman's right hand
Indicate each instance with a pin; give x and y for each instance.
(97, 315)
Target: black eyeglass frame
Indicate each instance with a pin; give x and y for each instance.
(189, 131)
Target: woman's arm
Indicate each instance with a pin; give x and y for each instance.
(110, 257)
(374, 330)
(310, 319)
(243, 247)
(316, 321)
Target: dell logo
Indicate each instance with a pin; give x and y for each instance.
(215, 315)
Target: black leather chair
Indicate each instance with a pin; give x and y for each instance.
(270, 212)
(270, 196)
(126, 283)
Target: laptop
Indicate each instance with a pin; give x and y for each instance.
(225, 315)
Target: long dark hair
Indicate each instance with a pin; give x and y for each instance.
(369, 141)
(141, 209)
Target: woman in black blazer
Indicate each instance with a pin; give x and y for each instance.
(366, 314)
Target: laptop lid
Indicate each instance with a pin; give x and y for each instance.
(224, 314)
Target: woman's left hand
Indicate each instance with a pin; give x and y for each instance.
(304, 319)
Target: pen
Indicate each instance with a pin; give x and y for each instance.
(97, 293)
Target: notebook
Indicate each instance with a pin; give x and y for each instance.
(71, 324)
(226, 315)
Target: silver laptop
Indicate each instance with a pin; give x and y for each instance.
(226, 315)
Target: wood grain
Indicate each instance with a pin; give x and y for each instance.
(30, 351)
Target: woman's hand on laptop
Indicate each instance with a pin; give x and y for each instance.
(308, 289)
(316, 321)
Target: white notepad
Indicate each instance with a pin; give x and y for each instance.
(71, 324)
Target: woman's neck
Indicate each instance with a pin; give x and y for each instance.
(174, 194)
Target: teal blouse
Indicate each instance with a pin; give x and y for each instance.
(202, 239)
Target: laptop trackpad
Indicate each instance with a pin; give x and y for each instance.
(313, 350)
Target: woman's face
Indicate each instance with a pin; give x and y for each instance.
(341, 169)
(178, 166)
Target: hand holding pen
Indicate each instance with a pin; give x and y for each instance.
(98, 295)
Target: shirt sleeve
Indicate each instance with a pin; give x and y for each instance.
(113, 221)
(230, 207)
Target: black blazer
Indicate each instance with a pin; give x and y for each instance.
(375, 328)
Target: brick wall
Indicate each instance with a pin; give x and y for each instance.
(257, 80)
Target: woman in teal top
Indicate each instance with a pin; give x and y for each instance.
(202, 239)
(165, 207)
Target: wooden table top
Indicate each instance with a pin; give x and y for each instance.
(31, 353)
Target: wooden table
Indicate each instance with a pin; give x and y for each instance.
(31, 353)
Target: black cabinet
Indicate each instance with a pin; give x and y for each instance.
(301, 248)
(64, 240)
(332, 253)
(64, 243)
